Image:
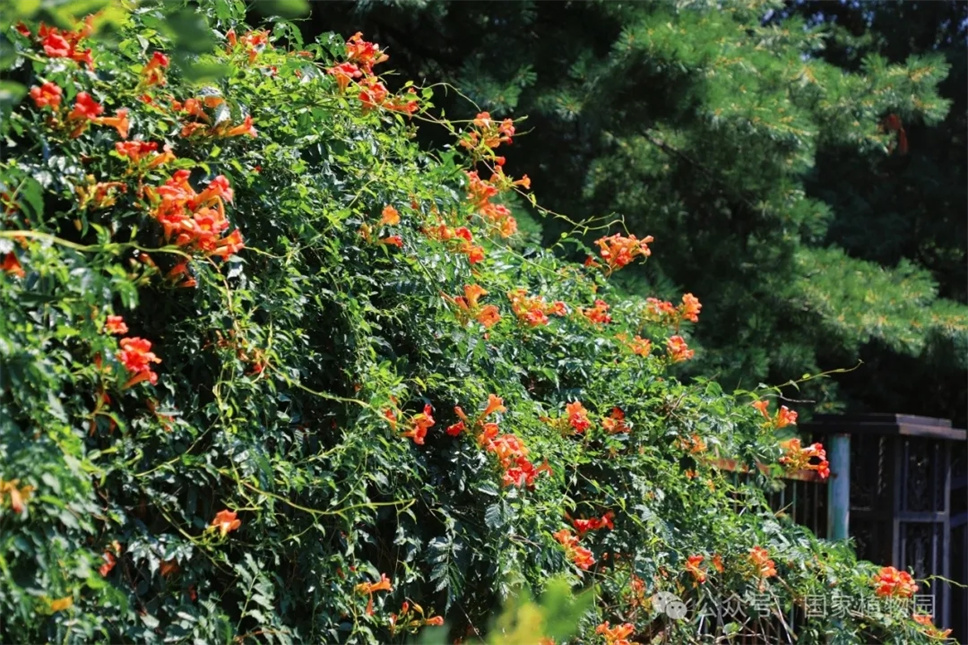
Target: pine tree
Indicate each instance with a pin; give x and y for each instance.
(910, 205)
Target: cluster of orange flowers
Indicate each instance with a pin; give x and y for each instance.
(469, 307)
(361, 57)
(595, 523)
(417, 425)
(598, 314)
(253, 43)
(96, 195)
(800, 458)
(579, 555)
(487, 133)
(59, 43)
(480, 192)
(191, 220)
(410, 621)
(692, 566)
(225, 521)
(502, 182)
(763, 566)
(638, 345)
(18, 494)
(617, 635)
(513, 456)
(482, 137)
(931, 631)
(511, 453)
(153, 73)
(693, 444)
(614, 423)
(660, 311)
(485, 430)
(344, 73)
(533, 310)
(201, 122)
(135, 354)
(369, 588)
(759, 559)
(390, 216)
(664, 312)
(84, 112)
(460, 238)
(689, 309)
(636, 593)
(87, 110)
(577, 416)
(47, 95)
(575, 419)
(144, 155)
(366, 54)
(11, 265)
(618, 251)
(137, 357)
(889, 582)
(783, 418)
(110, 558)
(194, 220)
(678, 350)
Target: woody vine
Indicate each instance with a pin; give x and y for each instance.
(271, 372)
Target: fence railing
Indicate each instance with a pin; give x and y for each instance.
(899, 489)
(900, 511)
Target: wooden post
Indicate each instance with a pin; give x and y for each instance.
(838, 490)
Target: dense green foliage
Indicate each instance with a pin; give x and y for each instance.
(759, 142)
(274, 450)
(905, 207)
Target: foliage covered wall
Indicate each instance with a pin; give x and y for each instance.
(269, 372)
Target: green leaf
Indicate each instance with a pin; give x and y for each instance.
(283, 8)
(203, 70)
(11, 93)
